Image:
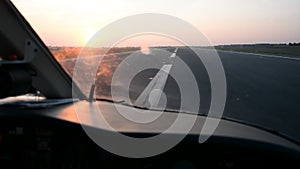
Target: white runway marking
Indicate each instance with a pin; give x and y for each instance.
(157, 83)
(173, 55)
(175, 51)
(262, 55)
(154, 89)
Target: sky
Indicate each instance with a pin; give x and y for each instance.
(73, 23)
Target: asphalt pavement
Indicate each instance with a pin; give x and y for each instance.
(262, 90)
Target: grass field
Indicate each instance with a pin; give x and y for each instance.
(61, 53)
(66, 56)
(282, 50)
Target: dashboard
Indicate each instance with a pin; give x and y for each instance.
(54, 138)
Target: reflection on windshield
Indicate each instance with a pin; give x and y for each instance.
(22, 98)
(67, 56)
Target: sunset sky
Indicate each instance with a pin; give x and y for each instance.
(72, 23)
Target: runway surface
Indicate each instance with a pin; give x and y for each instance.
(263, 90)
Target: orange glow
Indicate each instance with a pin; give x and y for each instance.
(13, 57)
(72, 23)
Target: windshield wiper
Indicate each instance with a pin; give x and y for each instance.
(110, 100)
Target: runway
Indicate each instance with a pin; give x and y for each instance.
(263, 90)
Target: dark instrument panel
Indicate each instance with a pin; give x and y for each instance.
(38, 141)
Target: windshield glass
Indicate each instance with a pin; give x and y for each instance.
(241, 57)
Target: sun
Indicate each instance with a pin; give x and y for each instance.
(88, 34)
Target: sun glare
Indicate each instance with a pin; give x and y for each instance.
(145, 49)
(88, 34)
(223, 23)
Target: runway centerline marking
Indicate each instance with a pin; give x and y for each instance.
(157, 84)
(174, 53)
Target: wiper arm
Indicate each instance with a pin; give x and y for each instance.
(110, 100)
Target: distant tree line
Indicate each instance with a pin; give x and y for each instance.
(294, 44)
(280, 44)
(263, 44)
